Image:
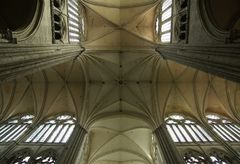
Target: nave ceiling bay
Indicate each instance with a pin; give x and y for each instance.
(118, 25)
(141, 84)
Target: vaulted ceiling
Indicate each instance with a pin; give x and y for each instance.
(120, 74)
(120, 24)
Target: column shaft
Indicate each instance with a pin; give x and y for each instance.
(167, 146)
(221, 60)
(74, 146)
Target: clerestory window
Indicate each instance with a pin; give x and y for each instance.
(164, 21)
(12, 129)
(56, 130)
(184, 130)
(74, 21)
(225, 128)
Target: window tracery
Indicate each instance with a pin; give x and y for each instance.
(194, 157)
(24, 156)
(46, 157)
(20, 157)
(184, 130)
(225, 128)
(58, 21)
(56, 130)
(15, 127)
(76, 22)
(164, 21)
(219, 157)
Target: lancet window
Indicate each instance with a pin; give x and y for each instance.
(164, 21)
(12, 129)
(225, 128)
(184, 130)
(56, 130)
(74, 20)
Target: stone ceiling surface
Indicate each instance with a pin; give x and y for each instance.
(120, 74)
(100, 84)
(111, 27)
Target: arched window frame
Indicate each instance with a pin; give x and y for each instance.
(47, 156)
(54, 130)
(185, 130)
(14, 127)
(76, 26)
(26, 156)
(163, 24)
(227, 129)
(193, 156)
(219, 157)
(23, 156)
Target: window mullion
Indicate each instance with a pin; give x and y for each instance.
(232, 131)
(9, 128)
(236, 130)
(208, 137)
(2, 128)
(197, 139)
(179, 129)
(34, 134)
(215, 127)
(69, 132)
(10, 133)
(41, 137)
(49, 136)
(200, 134)
(189, 134)
(172, 125)
(21, 127)
(20, 133)
(65, 132)
(227, 133)
(58, 133)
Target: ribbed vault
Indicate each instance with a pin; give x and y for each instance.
(120, 139)
(104, 84)
(120, 24)
(120, 74)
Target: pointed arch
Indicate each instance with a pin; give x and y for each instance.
(56, 129)
(14, 127)
(185, 130)
(227, 129)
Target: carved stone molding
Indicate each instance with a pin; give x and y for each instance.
(20, 60)
(207, 23)
(220, 60)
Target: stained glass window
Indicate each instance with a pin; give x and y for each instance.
(57, 130)
(15, 127)
(225, 128)
(185, 130)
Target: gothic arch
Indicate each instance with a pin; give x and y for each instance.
(21, 17)
(192, 156)
(22, 156)
(219, 156)
(56, 129)
(47, 156)
(185, 130)
(210, 17)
